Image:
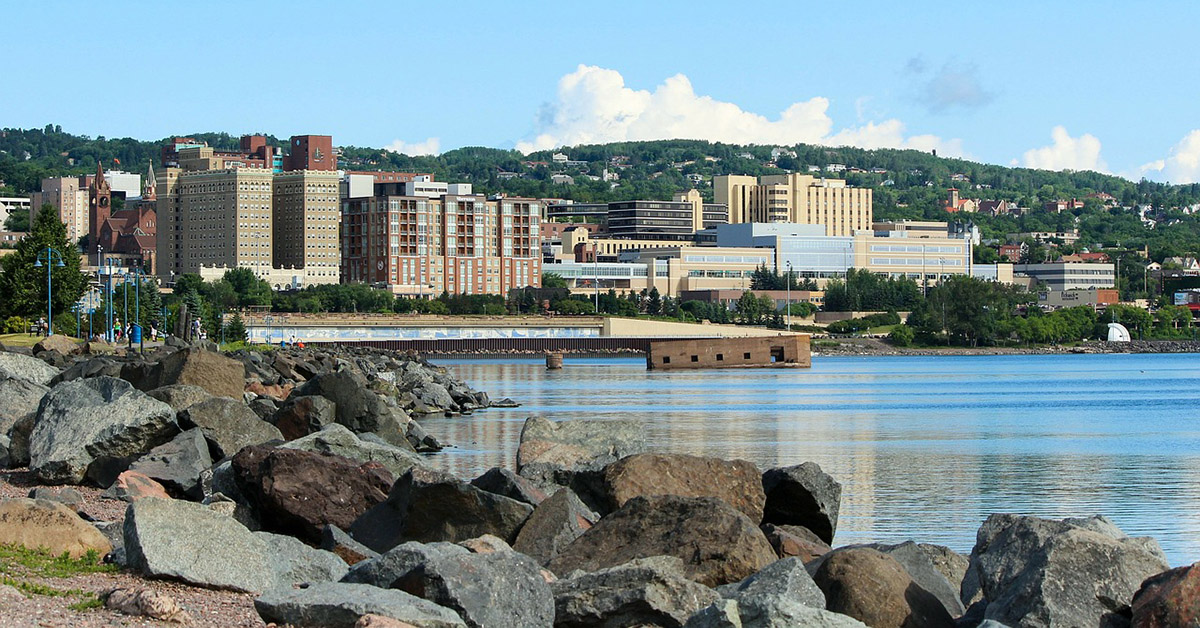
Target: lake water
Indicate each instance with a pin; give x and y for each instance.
(925, 447)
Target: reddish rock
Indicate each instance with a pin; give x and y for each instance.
(132, 486)
(736, 482)
(39, 523)
(304, 415)
(874, 588)
(795, 541)
(298, 492)
(1169, 599)
(278, 392)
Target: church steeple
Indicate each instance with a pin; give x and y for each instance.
(148, 190)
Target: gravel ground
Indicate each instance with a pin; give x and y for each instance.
(207, 608)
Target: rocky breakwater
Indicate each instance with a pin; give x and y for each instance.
(308, 490)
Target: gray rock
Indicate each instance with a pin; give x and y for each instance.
(358, 407)
(293, 562)
(648, 591)
(18, 441)
(398, 565)
(554, 524)
(25, 367)
(302, 415)
(770, 594)
(227, 425)
(492, 589)
(803, 495)
(264, 407)
(67, 496)
(338, 440)
(726, 614)
(4, 455)
(426, 506)
(338, 541)
(188, 542)
(578, 444)
(21, 397)
(81, 421)
(340, 605)
(919, 567)
(1046, 573)
(949, 563)
(177, 464)
(180, 396)
(435, 397)
(504, 482)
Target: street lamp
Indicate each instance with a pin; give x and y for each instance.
(788, 301)
(50, 254)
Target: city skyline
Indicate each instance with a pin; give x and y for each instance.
(1048, 87)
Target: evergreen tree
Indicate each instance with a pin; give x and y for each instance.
(235, 329)
(23, 284)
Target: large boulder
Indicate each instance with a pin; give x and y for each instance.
(726, 614)
(299, 492)
(1169, 599)
(63, 344)
(770, 595)
(918, 565)
(1041, 572)
(85, 420)
(338, 541)
(219, 375)
(358, 407)
(227, 425)
(554, 524)
(798, 541)
(426, 505)
(500, 588)
(578, 444)
(874, 588)
(644, 592)
(177, 464)
(950, 564)
(25, 367)
(180, 396)
(342, 605)
(41, 523)
(339, 441)
(803, 495)
(400, 565)
(301, 416)
(504, 482)
(131, 486)
(21, 397)
(737, 482)
(717, 543)
(293, 562)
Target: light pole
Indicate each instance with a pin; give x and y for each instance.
(788, 301)
(50, 254)
(596, 269)
(108, 330)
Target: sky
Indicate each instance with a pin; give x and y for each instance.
(1106, 86)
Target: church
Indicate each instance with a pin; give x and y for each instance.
(129, 232)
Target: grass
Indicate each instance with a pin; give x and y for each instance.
(18, 563)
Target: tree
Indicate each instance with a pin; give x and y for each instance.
(17, 221)
(235, 329)
(654, 302)
(553, 280)
(249, 289)
(749, 309)
(23, 284)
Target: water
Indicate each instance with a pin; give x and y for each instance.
(925, 447)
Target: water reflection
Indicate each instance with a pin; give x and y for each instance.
(925, 447)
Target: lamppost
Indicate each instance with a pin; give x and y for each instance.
(788, 302)
(596, 268)
(108, 330)
(50, 254)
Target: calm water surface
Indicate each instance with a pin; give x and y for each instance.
(925, 447)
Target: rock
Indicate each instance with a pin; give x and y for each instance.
(21, 397)
(358, 407)
(180, 396)
(769, 595)
(795, 541)
(336, 540)
(492, 589)
(554, 524)
(177, 464)
(917, 565)
(399, 565)
(426, 505)
(874, 588)
(188, 542)
(802, 495)
(339, 441)
(18, 441)
(294, 563)
(40, 523)
(131, 486)
(725, 614)
(1168, 599)
(341, 605)
(501, 481)
(227, 425)
(219, 375)
(81, 421)
(10, 595)
(950, 564)
(1041, 572)
(30, 369)
(64, 345)
(5, 458)
(485, 544)
(299, 492)
(66, 496)
(578, 444)
(264, 408)
(717, 543)
(146, 603)
(302, 416)
(278, 392)
(420, 440)
(379, 621)
(648, 591)
(737, 482)
(98, 347)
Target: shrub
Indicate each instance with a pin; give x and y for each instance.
(901, 336)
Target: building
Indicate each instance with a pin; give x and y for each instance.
(129, 232)
(1064, 237)
(222, 218)
(1097, 298)
(1062, 276)
(10, 205)
(69, 198)
(795, 198)
(804, 250)
(458, 243)
(306, 217)
(955, 203)
(674, 220)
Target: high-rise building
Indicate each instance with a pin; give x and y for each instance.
(69, 199)
(223, 219)
(795, 198)
(306, 221)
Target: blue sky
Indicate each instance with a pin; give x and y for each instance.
(1099, 85)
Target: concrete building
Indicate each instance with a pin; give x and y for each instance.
(417, 245)
(805, 250)
(795, 198)
(675, 220)
(1097, 298)
(10, 205)
(69, 198)
(924, 258)
(306, 219)
(224, 218)
(1062, 276)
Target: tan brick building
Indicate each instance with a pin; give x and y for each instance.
(795, 198)
(306, 220)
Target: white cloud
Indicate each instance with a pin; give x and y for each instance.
(431, 146)
(1182, 165)
(954, 87)
(1067, 153)
(594, 106)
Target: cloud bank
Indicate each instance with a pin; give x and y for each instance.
(1066, 153)
(952, 86)
(593, 105)
(1182, 164)
(431, 146)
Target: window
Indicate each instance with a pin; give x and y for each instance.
(695, 358)
(746, 356)
(666, 359)
(720, 357)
